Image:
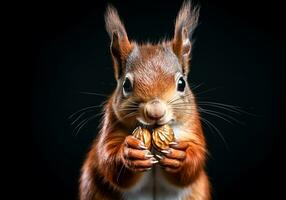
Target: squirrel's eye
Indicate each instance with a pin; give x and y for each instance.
(127, 86)
(181, 85)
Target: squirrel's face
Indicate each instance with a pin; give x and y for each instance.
(153, 90)
(152, 79)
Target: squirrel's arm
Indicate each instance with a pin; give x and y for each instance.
(190, 155)
(110, 153)
(106, 160)
(191, 167)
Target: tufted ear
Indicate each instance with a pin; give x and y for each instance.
(120, 46)
(186, 23)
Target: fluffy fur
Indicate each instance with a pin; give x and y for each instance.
(116, 164)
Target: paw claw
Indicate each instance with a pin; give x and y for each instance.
(154, 161)
(142, 146)
(159, 157)
(166, 151)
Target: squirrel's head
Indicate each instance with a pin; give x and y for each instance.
(151, 79)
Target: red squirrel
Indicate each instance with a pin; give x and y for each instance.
(152, 90)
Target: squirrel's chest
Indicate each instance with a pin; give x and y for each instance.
(153, 185)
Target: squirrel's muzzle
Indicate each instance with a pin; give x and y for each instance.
(155, 110)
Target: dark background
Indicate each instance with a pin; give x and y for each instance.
(239, 56)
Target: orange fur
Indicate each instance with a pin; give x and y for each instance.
(107, 173)
(104, 173)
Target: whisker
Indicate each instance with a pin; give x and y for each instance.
(187, 113)
(182, 108)
(179, 103)
(80, 124)
(221, 104)
(206, 91)
(124, 117)
(222, 107)
(216, 115)
(130, 106)
(126, 109)
(132, 103)
(216, 129)
(81, 116)
(212, 112)
(119, 173)
(197, 86)
(185, 108)
(84, 123)
(129, 114)
(211, 126)
(236, 108)
(180, 97)
(182, 105)
(93, 93)
(83, 109)
(170, 101)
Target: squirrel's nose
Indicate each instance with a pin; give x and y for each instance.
(155, 110)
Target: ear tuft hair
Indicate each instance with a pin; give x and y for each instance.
(120, 47)
(113, 22)
(186, 22)
(187, 18)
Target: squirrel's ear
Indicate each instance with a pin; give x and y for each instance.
(186, 22)
(120, 46)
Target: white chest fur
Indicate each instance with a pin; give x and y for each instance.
(177, 130)
(153, 185)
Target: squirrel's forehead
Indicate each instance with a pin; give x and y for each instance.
(152, 59)
(154, 70)
(155, 85)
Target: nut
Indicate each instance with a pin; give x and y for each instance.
(144, 135)
(162, 136)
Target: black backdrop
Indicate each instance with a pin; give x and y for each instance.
(238, 57)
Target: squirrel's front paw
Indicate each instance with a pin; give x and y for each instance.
(136, 156)
(174, 157)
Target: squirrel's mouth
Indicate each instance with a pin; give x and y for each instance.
(154, 123)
